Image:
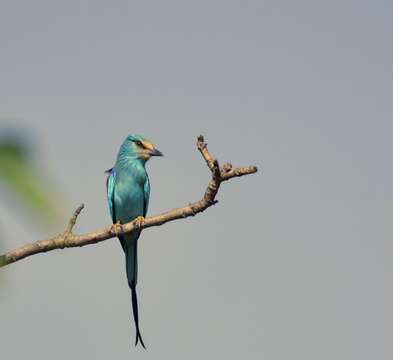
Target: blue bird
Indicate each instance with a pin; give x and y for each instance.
(128, 191)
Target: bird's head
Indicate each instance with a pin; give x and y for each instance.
(138, 147)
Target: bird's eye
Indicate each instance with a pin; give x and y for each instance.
(139, 143)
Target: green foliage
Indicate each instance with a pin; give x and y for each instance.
(19, 174)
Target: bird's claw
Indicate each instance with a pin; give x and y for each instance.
(116, 228)
(139, 222)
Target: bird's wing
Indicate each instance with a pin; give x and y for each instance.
(146, 194)
(110, 189)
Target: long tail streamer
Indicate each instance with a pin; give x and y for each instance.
(135, 312)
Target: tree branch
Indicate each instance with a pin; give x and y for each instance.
(68, 239)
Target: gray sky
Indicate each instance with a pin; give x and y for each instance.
(295, 262)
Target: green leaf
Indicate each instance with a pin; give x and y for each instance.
(19, 174)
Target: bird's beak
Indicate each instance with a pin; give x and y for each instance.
(156, 152)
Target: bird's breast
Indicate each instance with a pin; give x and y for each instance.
(129, 200)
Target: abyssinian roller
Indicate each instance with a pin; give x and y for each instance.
(128, 191)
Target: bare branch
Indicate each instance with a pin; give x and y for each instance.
(72, 221)
(68, 239)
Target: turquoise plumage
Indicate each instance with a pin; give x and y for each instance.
(128, 191)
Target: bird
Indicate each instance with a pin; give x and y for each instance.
(128, 192)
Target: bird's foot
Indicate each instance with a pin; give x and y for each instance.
(139, 221)
(116, 228)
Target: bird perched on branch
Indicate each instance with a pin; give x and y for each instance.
(128, 191)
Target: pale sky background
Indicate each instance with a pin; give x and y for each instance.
(293, 263)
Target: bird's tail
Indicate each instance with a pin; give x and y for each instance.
(130, 249)
(135, 313)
